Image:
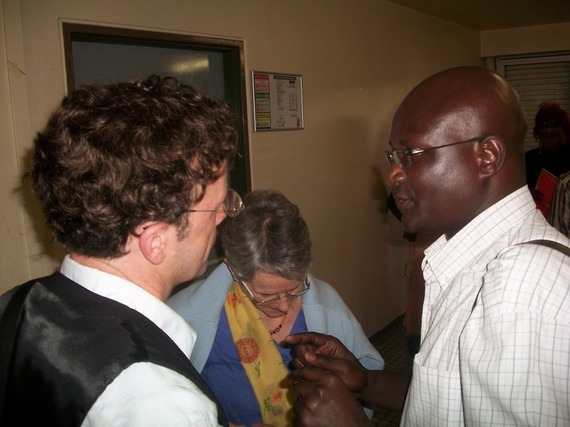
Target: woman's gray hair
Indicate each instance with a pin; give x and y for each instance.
(268, 236)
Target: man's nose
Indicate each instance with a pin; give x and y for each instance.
(395, 174)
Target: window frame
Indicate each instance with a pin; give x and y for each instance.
(502, 62)
(234, 74)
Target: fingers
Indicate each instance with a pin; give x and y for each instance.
(297, 364)
(303, 338)
(309, 358)
(308, 383)
(353, 375)
(307, 374)
(312, 342)
(304, 351)
(323, 400)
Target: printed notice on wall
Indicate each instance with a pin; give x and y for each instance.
(278, 101)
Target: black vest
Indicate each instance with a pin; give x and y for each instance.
(71, 344)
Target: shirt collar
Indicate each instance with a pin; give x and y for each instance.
(445, 258)
(135, 297)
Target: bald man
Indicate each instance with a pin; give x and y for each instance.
(495, 344)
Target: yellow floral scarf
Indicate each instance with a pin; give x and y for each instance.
(260, 359)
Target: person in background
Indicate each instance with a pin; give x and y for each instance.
(246, 307)
(417, 242)
(551, 129)
(495, 342)
(132, 178)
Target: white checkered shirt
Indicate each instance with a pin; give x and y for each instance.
(495, 326)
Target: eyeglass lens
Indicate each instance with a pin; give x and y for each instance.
(232, 203)
(397, 156)
(304, 287)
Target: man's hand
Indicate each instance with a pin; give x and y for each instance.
(324, 400)
(320, 344)
(328, 353)
(323, 359)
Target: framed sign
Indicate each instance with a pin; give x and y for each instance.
(278, 101)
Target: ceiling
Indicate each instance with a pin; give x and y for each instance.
(494, 14)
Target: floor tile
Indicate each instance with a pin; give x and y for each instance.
(392, 345)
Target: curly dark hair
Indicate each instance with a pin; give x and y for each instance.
(113, 156)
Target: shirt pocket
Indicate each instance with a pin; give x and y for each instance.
(434, 398)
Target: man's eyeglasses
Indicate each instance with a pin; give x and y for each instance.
(232, 205)
(403, 156)
(303, 289)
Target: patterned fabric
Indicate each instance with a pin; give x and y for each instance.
(225, 374)
(202, 305)
(260, 358)
(496, 325)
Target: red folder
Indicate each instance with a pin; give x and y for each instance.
(544, 191)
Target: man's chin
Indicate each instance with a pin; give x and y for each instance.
(409, 226)
(202, 269)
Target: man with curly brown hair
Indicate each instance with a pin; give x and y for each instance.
(132, 178)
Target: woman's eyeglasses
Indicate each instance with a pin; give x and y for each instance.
(303, 289)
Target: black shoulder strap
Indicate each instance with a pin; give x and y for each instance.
(551, 244)
(8, 332)
(542, 242)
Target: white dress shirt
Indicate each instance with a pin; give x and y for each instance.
(145, 394)
(495, 325)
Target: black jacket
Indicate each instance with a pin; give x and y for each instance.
(70, 345)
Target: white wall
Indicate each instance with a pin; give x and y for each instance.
(358, 59)
(526, 40)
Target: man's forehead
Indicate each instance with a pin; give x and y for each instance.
(419, 123)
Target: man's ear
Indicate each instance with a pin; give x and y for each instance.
(492, 155)
(152, 242)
